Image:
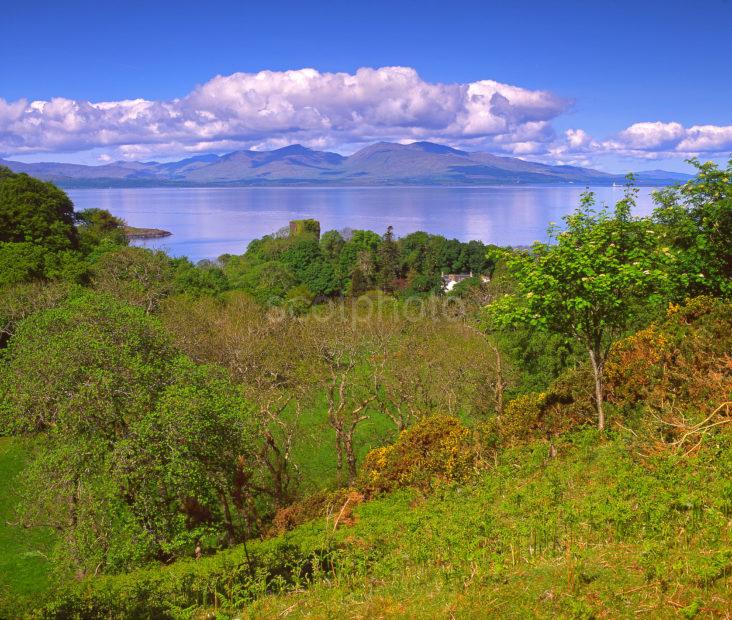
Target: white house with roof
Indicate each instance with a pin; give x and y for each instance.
(450, 280)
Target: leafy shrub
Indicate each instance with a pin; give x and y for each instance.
(200, 280)
(268, 282)
(521, 419)
(437, 448)
(299, 300)
(677, 375)
(21, 262)
(565, 405)
(227, 580)
(683, 363)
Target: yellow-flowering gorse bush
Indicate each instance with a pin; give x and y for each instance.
(436, 449)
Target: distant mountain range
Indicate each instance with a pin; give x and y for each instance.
(384, 163)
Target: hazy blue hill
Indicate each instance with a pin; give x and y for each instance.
(59, 172)
(186, 165)
(434, 163)
(521, 167)
(225, 168)
(296, 154)
(389, 162)
(662, 175)
(383, 163)
(431, 147)
(290, 164)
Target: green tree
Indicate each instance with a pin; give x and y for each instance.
(265, 355)
(186, 466)
(475, 258)
(35, 212)
(331, 244)
(696, 219)
(420, 283)
(267, 282)
(305, 260)
(21, 262)
(536, 356)
(20, 301)
(88, 365)
(138, 276)
(141, 452)
(418, 255)
(78, 376)
(302, 252)
(204, 278)
(360, 248)
(387, 261)
(320, 279)
(583, 284)
(95, 225)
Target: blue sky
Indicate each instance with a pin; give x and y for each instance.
(639, 84)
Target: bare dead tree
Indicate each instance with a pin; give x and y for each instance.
(340, 368)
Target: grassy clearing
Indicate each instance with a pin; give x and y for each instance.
(24, 565)
(314, 450)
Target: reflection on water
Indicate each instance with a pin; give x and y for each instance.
(208, 222)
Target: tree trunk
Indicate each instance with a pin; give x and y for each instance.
(228, 522)
(350, 458)
(499, 382)
(597, 371)
(276, 462)
(339, 457)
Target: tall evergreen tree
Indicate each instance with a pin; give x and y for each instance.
(388, 261)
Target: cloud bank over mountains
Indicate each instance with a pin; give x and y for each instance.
(337, 111)
(651, 140)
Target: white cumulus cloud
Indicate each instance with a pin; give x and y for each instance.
(340, 111)
(260, 110)
(651, 140)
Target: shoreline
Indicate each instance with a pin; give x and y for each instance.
(132, 232)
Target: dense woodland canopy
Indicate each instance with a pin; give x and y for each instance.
(171, 411)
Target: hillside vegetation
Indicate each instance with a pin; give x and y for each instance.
(443, 523)
(316, 429)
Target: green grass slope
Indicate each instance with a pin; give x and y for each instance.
(596, 532)
(24, 565)
(592, 533)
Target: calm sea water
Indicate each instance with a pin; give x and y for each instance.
(208, 222)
